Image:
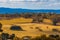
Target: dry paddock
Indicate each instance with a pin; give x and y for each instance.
(31, 32)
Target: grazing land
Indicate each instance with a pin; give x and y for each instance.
(33, 25)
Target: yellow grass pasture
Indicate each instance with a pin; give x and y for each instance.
(16, 20)
(26, 25)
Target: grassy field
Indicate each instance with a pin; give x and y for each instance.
(16, 20)
(26, 25)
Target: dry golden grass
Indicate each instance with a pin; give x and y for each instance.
(16, 20)
(31, 32)
(47, 21)
(26, 25)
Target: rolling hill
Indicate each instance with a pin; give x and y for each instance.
(19, 10)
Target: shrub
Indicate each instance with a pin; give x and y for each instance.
(16, 28)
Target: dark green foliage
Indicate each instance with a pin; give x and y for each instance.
(17, 28)
(4, 36)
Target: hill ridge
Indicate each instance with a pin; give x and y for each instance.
(20, 10)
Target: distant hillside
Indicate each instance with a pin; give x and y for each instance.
(11, 10)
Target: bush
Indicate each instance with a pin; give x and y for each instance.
(16, 28)
(4, 36)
